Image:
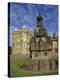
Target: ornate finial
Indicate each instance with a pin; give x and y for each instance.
(39, 17)
(39, 13)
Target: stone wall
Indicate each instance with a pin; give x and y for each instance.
(44, 65)
(21, 40)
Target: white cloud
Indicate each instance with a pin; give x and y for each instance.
(24, 26)
(16, 29)
(50, 33)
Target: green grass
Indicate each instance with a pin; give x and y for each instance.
(18, 72)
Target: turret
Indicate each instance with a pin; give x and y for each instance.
(40, 30)
(39, 21)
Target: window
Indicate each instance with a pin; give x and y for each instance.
(56, 64)
(56, 50)
(50, 64)
(30, 55)
(45, 53)
(36, 55)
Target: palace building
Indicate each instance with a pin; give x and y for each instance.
(43, 48)
(38, 45)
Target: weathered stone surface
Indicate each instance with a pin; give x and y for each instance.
(21, 41)
(42, 48)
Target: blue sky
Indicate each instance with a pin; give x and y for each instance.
(22, 14)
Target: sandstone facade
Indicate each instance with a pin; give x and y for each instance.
(43, 49)
(21, 41)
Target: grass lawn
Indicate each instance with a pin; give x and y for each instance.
(18, 72)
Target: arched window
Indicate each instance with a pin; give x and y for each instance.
(56, 64)
(36, 55)
(30, 55)
(45, 53)
(56, 50)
